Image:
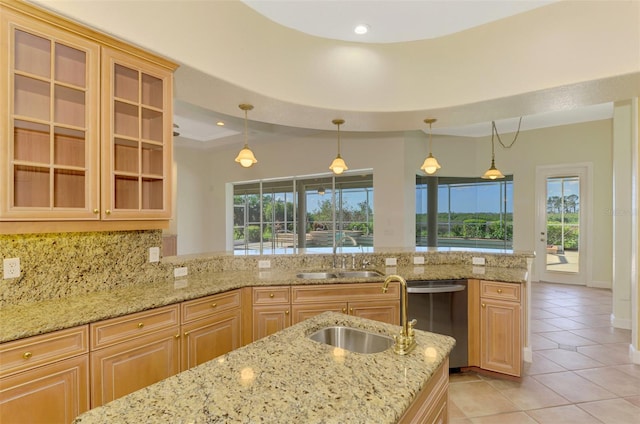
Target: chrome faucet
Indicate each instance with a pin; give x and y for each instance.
(335, 250)
(406, 341)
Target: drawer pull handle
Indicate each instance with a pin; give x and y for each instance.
(499, 291)
(213, 305)
(140, 324)
(27, 355)
(271, 295)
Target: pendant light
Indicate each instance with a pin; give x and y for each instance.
(430, 164)
(493, 173)
(338, 166)
(246, 158)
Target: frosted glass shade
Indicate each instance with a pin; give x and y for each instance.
(338, 166)
(246, 158)
(430, 165)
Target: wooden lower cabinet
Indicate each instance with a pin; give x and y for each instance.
(432, 402)
(271, 310)
(211, 326)
(495, 326)
(139, 350)
(45, 379)
(365, 300)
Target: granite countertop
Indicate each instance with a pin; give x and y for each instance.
(256, 384)
(43, 317)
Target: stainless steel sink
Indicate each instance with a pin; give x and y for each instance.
(340, 274)
(359, 274)
(352, 339)
(317, 275)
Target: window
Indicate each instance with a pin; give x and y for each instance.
(469, 212)
(313, 213)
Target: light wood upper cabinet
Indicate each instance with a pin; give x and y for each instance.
(136, 137)
(86, 127)
(50, 130)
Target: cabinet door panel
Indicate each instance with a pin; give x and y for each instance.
(384, 311)
(500, 335)
(302, 312)
(55, 393)
(126, 367)
(270, 319)
(211, 337)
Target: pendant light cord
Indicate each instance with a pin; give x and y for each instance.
(495, 130)
(246, 130)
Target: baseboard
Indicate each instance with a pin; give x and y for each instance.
(634, 354)
(624, 324)
(527, 354)
(600, 284)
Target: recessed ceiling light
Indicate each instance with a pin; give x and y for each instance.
(361, 29)
(220, 124)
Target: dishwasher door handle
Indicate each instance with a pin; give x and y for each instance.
(436, 289)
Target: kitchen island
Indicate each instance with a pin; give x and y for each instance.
(287, 377)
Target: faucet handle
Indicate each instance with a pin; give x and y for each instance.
(412, 324)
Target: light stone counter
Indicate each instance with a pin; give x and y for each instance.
(288, 378)
(21, 321)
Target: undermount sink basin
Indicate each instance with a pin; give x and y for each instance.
(339, 274)
(359, 274)
(317, 275)
(352, 339)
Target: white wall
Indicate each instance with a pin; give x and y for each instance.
(395, 159)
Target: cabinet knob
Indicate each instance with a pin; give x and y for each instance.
(271, 295)
(96, 211)
(286, 312)
(213, 305)
(27, 355)
(186, 334)
(350, 310)
(177, 336)
(108, 212)
(484, 305)
(344, 310)
(140, 324)
(499, 291)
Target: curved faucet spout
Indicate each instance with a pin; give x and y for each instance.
(406, 341)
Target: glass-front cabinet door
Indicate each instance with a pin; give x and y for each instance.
(137, 131)
(49, 139)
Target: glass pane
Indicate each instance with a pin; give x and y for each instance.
(70, 65)
(152, 159)
(31, 142)
(125, 119)
(69, 147)
(125, 83)
(563, 224)
(152, 125)
(69, 106)
(32, 98)
(68, 189)
(152, 91)
(32, 54)
(152, 190)
(126, 192)
(125, 155)
(31, 186)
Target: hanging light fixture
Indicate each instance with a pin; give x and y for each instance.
(246, 158)
(493, 173)
(338, 166)
(430, 164)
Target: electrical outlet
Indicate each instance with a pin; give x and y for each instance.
(390, 261)
(264, 263)
(180, 272)
(418, 260)
(154, 254)
(477, 261)
(11, 268)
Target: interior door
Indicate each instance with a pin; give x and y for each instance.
(562, 240)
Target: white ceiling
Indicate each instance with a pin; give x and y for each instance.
(389, 22)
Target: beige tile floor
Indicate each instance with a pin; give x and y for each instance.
(581, 371)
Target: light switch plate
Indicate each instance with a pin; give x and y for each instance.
(418, 260)
(154, 254)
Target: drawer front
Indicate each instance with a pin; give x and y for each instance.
(202, 308)
(502, 291)
(342, 292)
(21, 355)
(115, 330)
(271, 295)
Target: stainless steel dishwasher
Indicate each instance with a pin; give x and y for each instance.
(440, 306)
